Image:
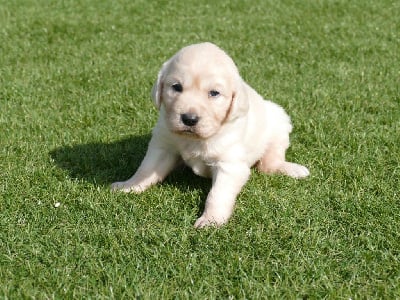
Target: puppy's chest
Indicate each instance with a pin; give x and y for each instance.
(199, 159)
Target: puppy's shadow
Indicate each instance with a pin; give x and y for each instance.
(103, 163)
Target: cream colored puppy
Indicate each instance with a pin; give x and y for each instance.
(217, 124)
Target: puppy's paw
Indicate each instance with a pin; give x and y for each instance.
(203, 222)
(126, 187)
(294, 170)
(206, 221)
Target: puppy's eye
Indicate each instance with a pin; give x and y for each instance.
(177, 87)
(213, 93)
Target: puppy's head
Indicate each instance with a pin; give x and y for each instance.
(199, 89)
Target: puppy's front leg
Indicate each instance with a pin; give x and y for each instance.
(228, 180)
(155, 166)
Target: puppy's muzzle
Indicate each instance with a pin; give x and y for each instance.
(190, 119)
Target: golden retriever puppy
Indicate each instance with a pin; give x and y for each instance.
(217, 124)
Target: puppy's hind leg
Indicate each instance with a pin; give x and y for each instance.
(273, 161)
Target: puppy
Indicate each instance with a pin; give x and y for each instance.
(215, 123)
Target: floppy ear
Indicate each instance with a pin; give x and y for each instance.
(240, 101)
(156, 91)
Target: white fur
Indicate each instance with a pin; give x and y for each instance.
(236, 130)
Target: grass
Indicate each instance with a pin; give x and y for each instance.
(75, 115)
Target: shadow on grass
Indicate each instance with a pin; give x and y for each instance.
(103, 163)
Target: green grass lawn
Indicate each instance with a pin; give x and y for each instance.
(76, 115)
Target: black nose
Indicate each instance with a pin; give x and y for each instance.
(189, 119)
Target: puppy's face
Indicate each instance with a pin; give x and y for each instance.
(198, 89)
